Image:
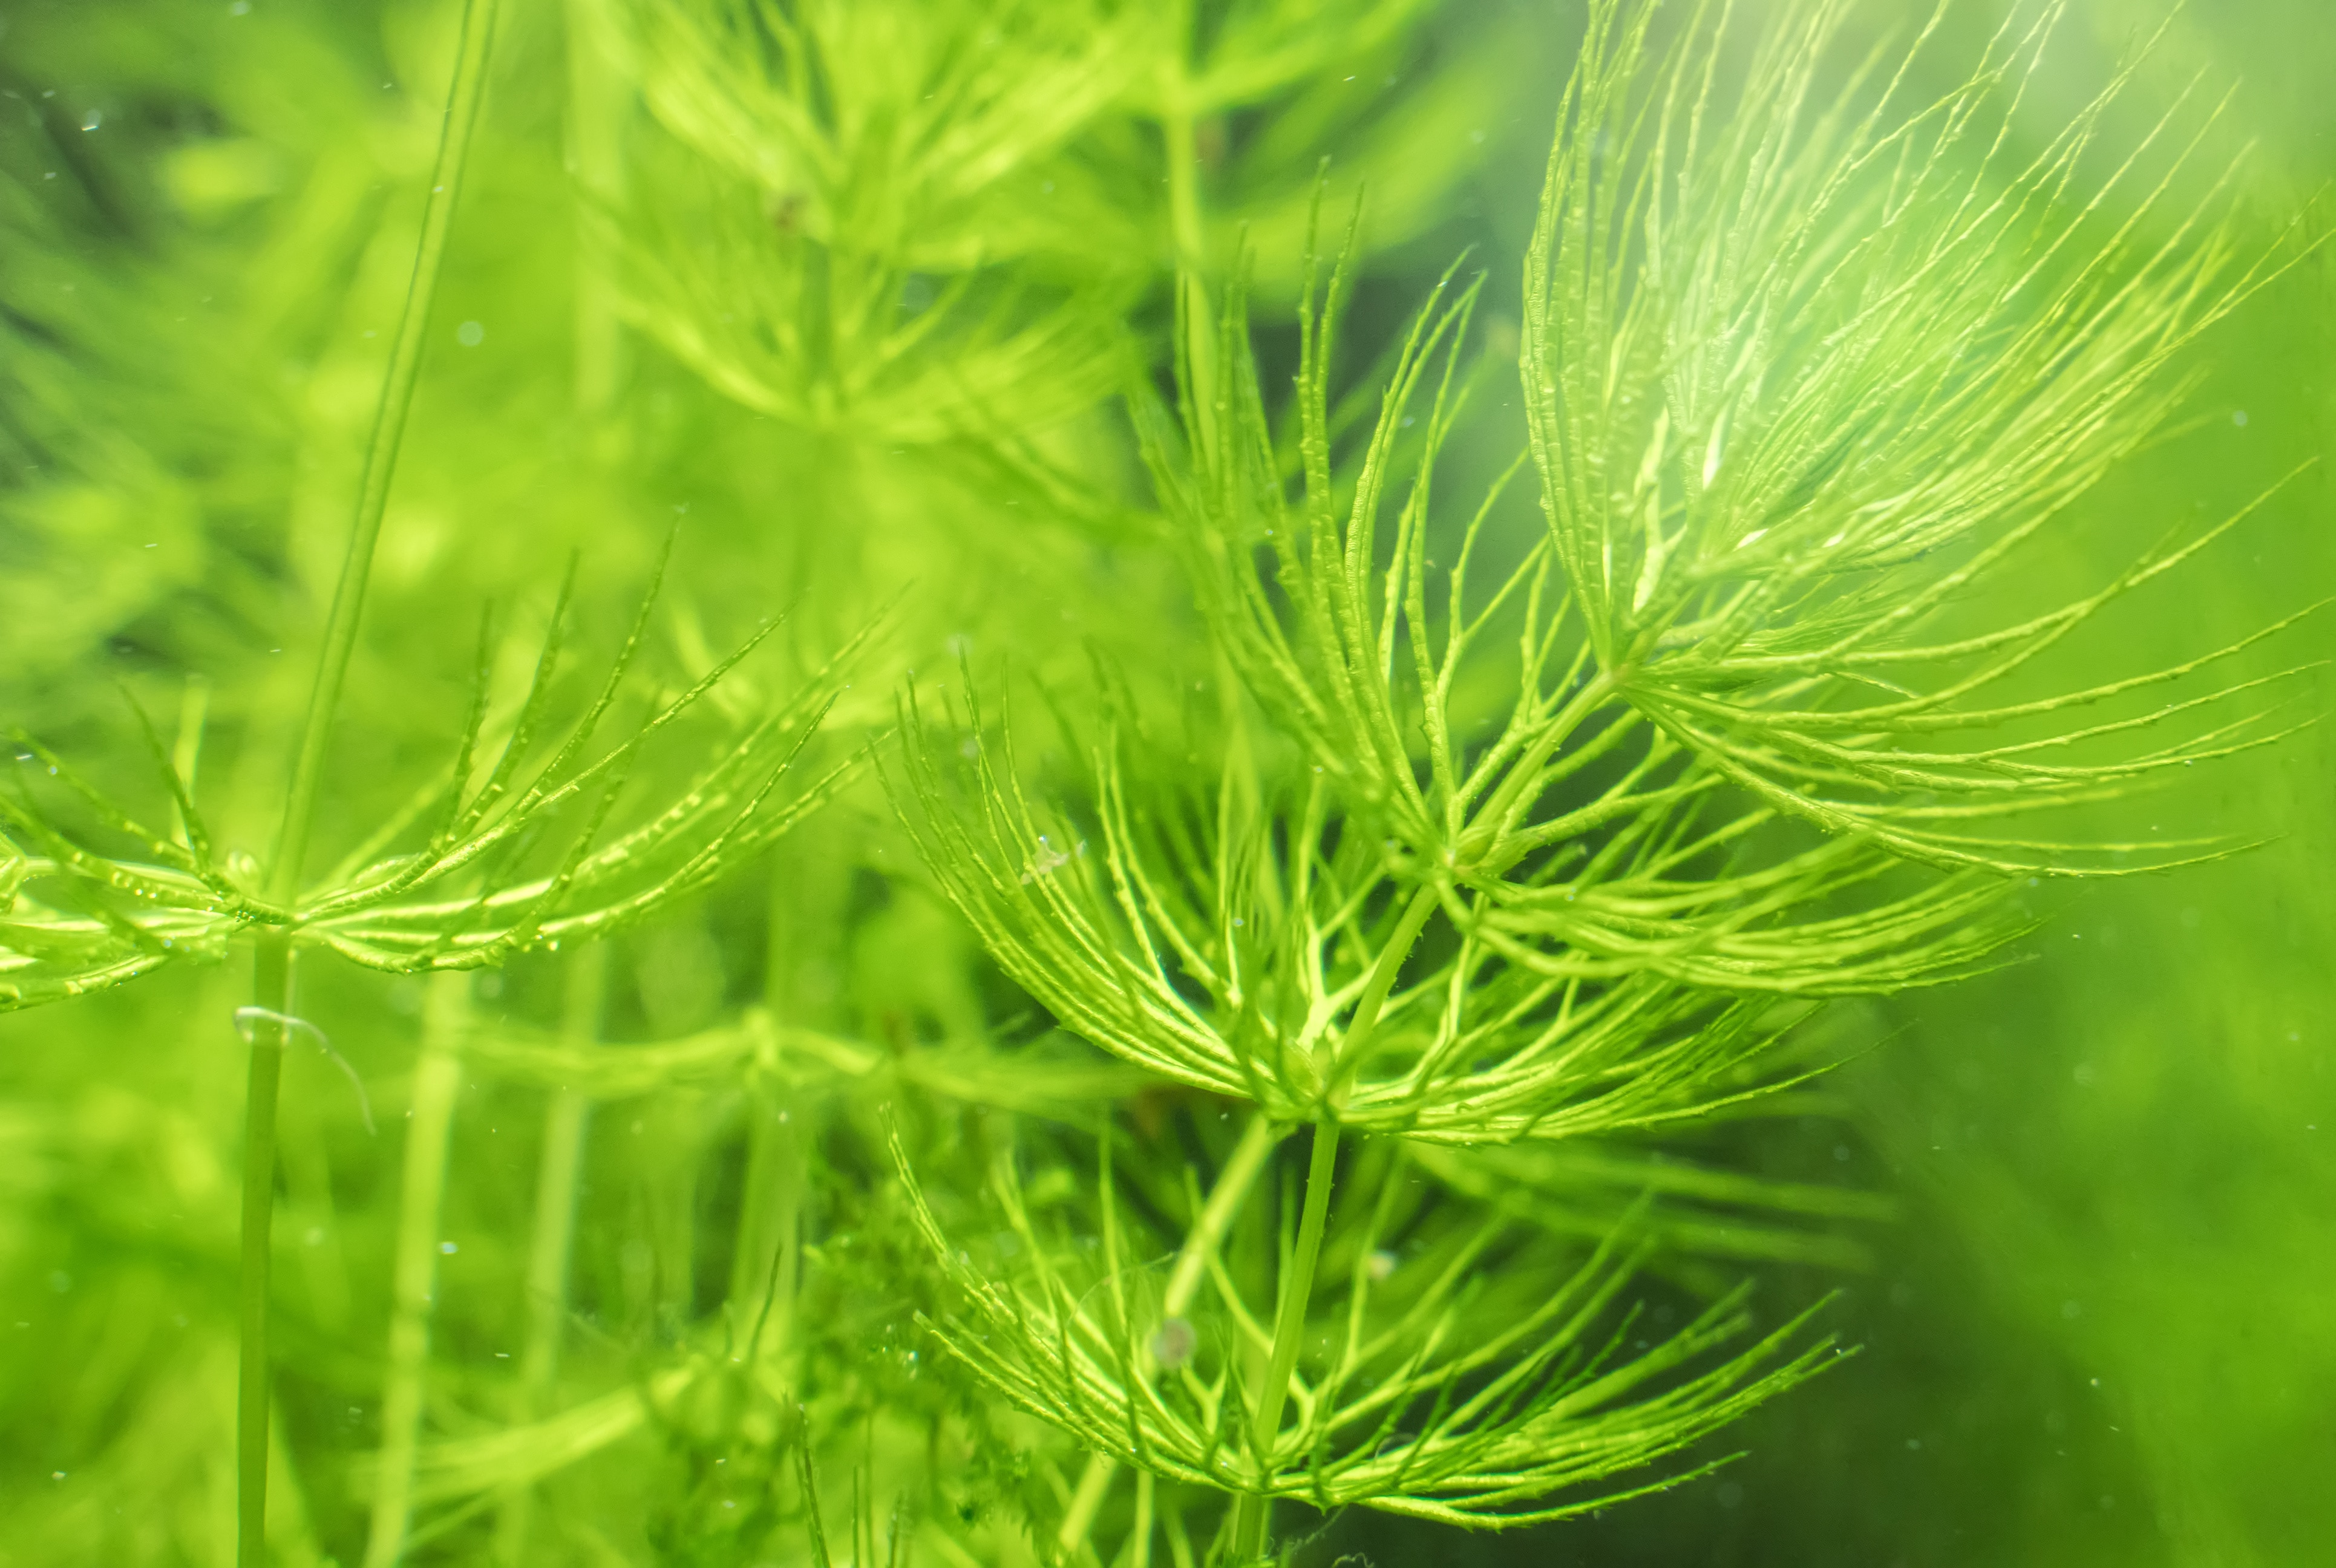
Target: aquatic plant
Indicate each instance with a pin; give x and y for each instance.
(1505, 856)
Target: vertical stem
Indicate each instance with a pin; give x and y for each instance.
(554, 1237)
(1176, 131)
(1180, 1543)
(437, 1083)
(762, 1271)
(271, 987)
(1200, 322)
(1140, 1534)
(187, 750)
(596, 105)
(1179, 147)
(1208, 1232)
(1253, 1511)
(381, 450)
(1086, 1500)
(811, 886)
(1181, 144)
(1201, 1244)
(667, 1152)
(1351, 1047)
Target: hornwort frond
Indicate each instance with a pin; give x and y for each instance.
(469, 895)
(1425, 1398)
(1266, 959)
(1804, 371)
(864, 168)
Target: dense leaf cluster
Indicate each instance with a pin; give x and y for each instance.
(1480, 745)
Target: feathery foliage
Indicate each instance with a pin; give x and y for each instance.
(1341, 1060)
(1546, 862)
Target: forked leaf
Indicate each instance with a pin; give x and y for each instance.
(1477, 1426)
(1805, 372)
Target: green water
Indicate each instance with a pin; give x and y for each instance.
(599, 1252)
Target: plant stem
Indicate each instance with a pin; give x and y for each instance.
(1233, 1182)
(1086, 1501)
(273, 969)
(553, 1241)
(437, 1084)
(598, 104)
(381, 452)
(271, 987)
(1179, 1545)
(1187, 234)
(1181, 143)
(1139, 1535)
(810, 887)
(1353, 1042)
(1200, 1243)
(1497, 852)
(767, 1255)
(1257, 1141)
(1253, 1511)
(186, 751)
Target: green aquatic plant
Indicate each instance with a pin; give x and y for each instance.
(1796, 382)
(478, 883)
(926, 1185)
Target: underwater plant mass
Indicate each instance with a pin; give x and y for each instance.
(818, 781)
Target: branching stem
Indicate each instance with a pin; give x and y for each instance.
(1208, 1232)
(271, 989)
(1254, 1510)
(273, 969)
(1257, 1141)
(413, 1287)
(1354, 1045)
(381, 452)
(553, 1243)
(1182, 145)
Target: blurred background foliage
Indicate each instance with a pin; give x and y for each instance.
(864, 350)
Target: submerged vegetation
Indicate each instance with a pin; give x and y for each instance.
(1211, 861)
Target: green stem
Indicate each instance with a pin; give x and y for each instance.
(1353, 1042)
(1492, 848)
(809, 891)
(768, 1257)
(1233, 1182)
(272, 986)
(381, 450)
(1179, 1545)
(1187, 234)
(597, 109)
(1200, 1243)
(186, 751)
(553, 1241)
(1086, 1501)
(1181, 144)
(437, 1085)
(1182, 151)
(271, 989)
(1253, 1511)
